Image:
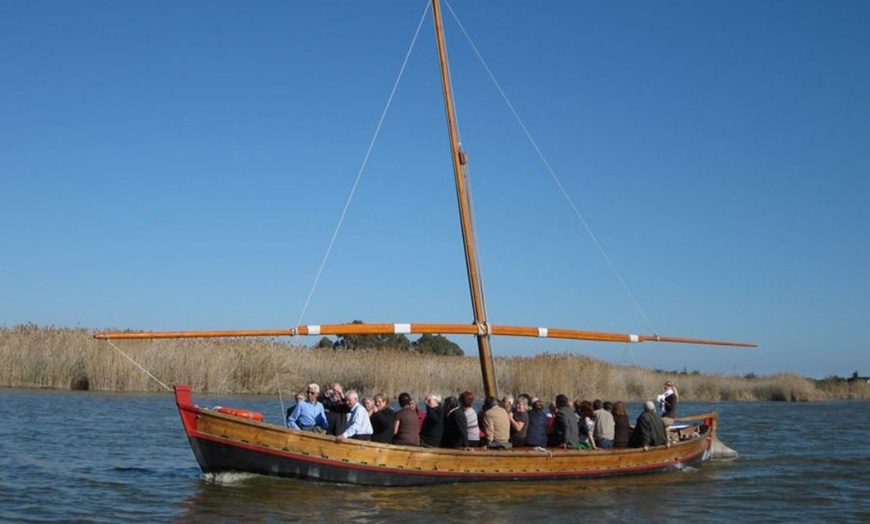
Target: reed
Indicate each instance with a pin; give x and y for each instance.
(34, 356)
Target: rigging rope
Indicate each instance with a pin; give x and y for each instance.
(362, 167)
(139, 366)
(167, 388)
(552, 173)
(280, 395)
(357, 180)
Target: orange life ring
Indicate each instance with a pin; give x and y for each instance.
(250, 415)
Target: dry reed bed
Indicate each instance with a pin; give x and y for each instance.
(64, 358)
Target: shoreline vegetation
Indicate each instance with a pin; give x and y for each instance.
(52, 357)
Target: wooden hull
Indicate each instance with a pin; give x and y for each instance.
(225, 443)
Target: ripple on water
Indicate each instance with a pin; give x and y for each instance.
(74, 462)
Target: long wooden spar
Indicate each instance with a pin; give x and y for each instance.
(420, 329)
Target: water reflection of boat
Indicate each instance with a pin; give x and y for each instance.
(223, 442)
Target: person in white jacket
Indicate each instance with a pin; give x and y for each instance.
(668, 402)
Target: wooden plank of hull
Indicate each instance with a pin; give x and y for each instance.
(216, 456)
(226, 443)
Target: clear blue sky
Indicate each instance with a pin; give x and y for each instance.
(169, 165)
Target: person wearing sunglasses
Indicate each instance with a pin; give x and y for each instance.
(309, 415)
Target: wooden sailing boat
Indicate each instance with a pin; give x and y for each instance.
(227, 440)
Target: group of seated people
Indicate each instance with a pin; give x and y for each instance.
(454, 423)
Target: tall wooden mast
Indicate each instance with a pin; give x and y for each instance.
(487, 368)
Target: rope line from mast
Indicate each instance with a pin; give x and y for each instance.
(552, 173)
(356, 183)
(363, 166)
(280, 395)
(128, 357)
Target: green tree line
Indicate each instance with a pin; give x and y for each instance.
(426, 344)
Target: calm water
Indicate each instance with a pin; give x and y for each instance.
(109, 458)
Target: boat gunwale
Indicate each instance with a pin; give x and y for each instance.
(520, 450)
